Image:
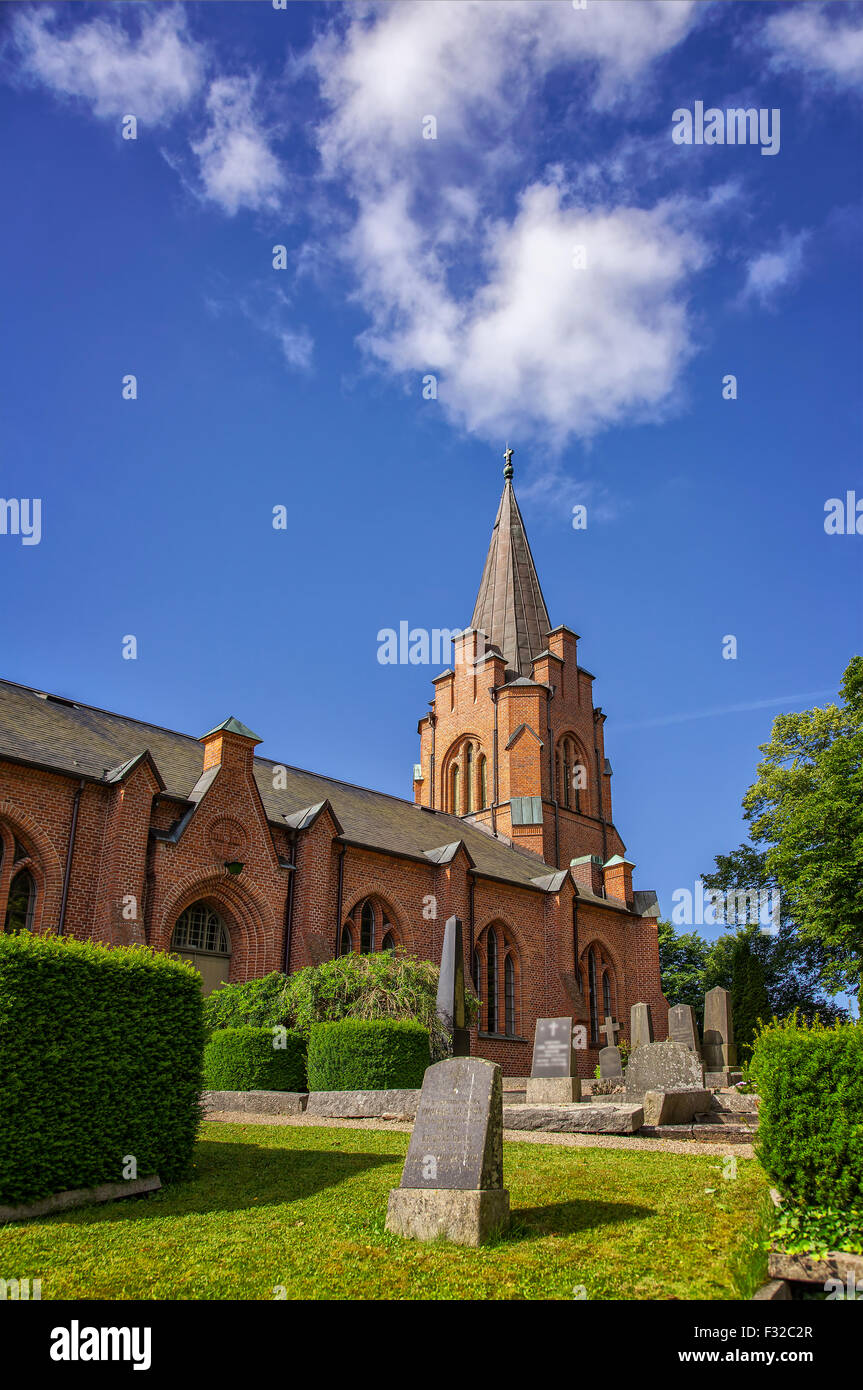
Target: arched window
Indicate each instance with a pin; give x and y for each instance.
(593, 994)
(509, 995)
(468, 777)
(477, 980)
(606, 995)
(483, 783)
(567, 766)
(491, 954)
(199, 928)
(389, 942)
(455, 791)
(347, 942)
(367, 928)
(21, 903)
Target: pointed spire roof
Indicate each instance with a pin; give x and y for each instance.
(510, 608)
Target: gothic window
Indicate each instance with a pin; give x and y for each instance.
(468, 777)
(594, 997)
(389, 942)
(477, 980)
(367, 928)
(566, 773)
(491, 954)
(347, 943)
(509, 995)
(606, 995)
(199, 928)
(21, 902)
(483, 783)
(456, 790)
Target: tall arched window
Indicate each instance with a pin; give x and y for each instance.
(367, 928)
(347, 944)
(468, 777)
(477, 981)
(566, 773)
(593, 993)
(606, 996)
(455, 791)
(21, 903)
(483, 783)
(201, 938)
(509, 995)
(491, 954)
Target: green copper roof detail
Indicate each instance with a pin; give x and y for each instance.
(232, 726)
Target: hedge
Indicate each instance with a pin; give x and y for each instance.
(101, 1052)
(255, 1059)
(810, 1113)
(358, 1054)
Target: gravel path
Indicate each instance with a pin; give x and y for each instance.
(518, 1136)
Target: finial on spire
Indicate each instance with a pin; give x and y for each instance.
(508, 470)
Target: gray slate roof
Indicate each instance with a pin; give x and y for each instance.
(82, 741)
(510, 608)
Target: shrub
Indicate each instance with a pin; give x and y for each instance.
(246, 1059)
(810, 1125)
(384, 985)
(100, 1060)
(367, 1055)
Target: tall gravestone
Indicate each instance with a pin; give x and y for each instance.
(682, 1027)
(553, 1079)
(718, 1048)
(450, 993)
(640, 1026)
(610, 1064)
(452, 1181)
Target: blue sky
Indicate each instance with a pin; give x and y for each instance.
(453, 256)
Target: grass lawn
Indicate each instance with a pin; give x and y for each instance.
(304, 1208)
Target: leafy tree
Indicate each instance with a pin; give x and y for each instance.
(749, 1002)
(682, 960)
(806, 808)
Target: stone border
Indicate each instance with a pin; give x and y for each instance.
(81, 1197)
(254, 1102)
(804, 1269)
(364, 1105)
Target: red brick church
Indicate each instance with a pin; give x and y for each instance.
(123, 831)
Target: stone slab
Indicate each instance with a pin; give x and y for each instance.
(725, 1076)
(457, 1138)
(81, 1197)
(804, 1269)
(717, 1047)
(460, 1216)
(682, 1026)
(450, 1005)
(772, 1291)
(575, 1119)
(610, 1064)
(663, 1066)
(255, 1102)
(551, 1090)
(364, 1105)
(674, 1107)
(640, 1026)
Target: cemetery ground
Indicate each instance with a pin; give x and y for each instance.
(297, 1212)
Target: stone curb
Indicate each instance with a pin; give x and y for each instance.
(80, 1197)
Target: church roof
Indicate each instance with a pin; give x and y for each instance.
(510, 608)
(78, 740)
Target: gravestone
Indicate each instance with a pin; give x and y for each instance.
(663, 1066)
(610, 1065)
(610, 1028)
(450, 993)
(553, 1079)
(640, 1025)
(682, 1027)
(718, 1048)
(452, 1181)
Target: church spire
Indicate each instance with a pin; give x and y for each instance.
(510, 608)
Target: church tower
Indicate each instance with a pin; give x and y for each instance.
(513, 741)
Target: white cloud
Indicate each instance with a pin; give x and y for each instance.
(237, 167)
(268, 309)
(462, 280)
(151, 76)
(827, 44)
(772, 271)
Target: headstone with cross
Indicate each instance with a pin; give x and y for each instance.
(610, 1063)
(611, 1029)
(553, 1079)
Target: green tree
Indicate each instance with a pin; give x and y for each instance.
(682, 960)
(749, 1001)
(806, 808)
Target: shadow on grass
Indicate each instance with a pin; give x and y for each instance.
(565, 1218)
(238, 1177)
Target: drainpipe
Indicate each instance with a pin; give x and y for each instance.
(551, 778)
(339, 893)
(68, 871)
(599, 804)
(493, 693)
(289, 906)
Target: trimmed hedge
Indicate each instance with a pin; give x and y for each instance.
(357, 1054)
(247, 1059)
(101, 1052)
(810, 1114)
